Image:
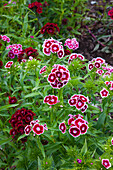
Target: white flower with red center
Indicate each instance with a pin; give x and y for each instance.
(58, 74)
(38, 129)
(83, 98)
(97, 64)
(83, 128)
(51, 77)
(78, 122)
(73, 56)
(100, 60)
(47, 51)
(107, 74)
(65, 76)
(104, 93)
(27, 129)
(90, 66)
(8, 64)
(53, 100)
(60, 53)
(47, 99)
(106, 163)
(47, 43)
(84, 108)
(100, 72)
(81, 56)
(74, 131)
(71, 120)
(72, 102)
(55, 48)
(80, 104)
(62, 127)
(43, 69)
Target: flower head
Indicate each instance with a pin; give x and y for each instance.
(104, 93)
(106, 163)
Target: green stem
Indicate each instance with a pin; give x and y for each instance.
(60, 95)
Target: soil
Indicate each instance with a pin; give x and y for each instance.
(90, 46)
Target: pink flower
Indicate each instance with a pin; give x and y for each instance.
(74, 131)
(106, 163)
(100, 60)
(43, 69)
(104, 93)
(27, 129)
(73, 56)
(31, 36)
(47, 51)
(62, 127)
(71, 43)
(38, 129)
(54, 47)
(100, 72)
(8, 64)
(112, 141)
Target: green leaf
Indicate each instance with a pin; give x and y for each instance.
(84, 148)
(20, 137)
(32, 94)
(7, 107)
(4, 141)
(40, 146)
(101, 120)
(25, 24)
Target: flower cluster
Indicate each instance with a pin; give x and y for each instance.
(8, 64)
(36, 5)
(26, 53)
(54, 46)
(104, 93)
(51, 99)
(12, 100)
(5, 38)
(109, 83)
(79, 101)
(74, 56)
(110, 13)
(78, 125)
(59, 76)
(106, 163)
(34, 126)
(100, 66)
(50, 28)
(15, 49)
(72, 43)
(19, 120)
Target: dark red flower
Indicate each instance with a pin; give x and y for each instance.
(97, 65)
(66, 52)
(90, 66)
(62, 127)
(64, 21)
(60, 53)
(45, 4)
(20, 128)
(110, 13)
(50, 30)
(24, 139)
(32, 113)
(38, 129)
(22, 111)
(12, 100)
(13, 132)
(58, 74)
(1, 63)
(28, 117)
(0, 45)
(74, 131)
(60, 84)
(39, 10)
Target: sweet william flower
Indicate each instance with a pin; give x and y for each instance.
(38, 129)
(106, 163)
(104, 93)
(12, 100)
(74, 131)
(27, 129)
(1, 64)
(8, 64)
(79, 161)
(62, 127)
(83, 128)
